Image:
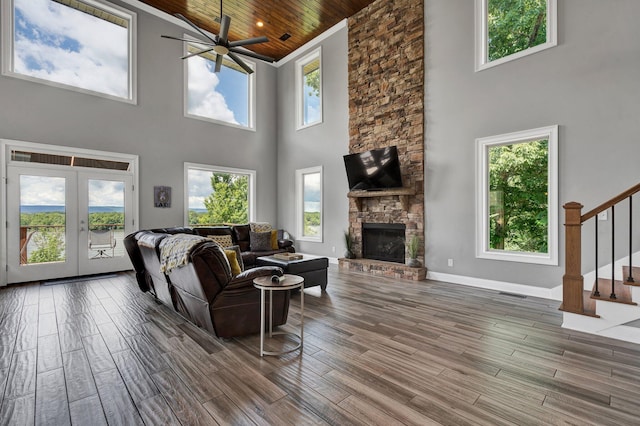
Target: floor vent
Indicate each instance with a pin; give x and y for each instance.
(520, 296)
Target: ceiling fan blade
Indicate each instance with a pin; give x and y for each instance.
(248, 41)
(224, 29)
(189, 40)
(240, 62)
(199, 52)
(218, 63)
(195, 27)
(252, 54)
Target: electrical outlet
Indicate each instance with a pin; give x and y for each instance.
(450, 262)
(603, 215)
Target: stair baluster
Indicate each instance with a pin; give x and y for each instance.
(596, 293)
(613, 249)
(630, 277)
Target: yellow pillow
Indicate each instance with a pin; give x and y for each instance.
(274, 240)
(233, 262)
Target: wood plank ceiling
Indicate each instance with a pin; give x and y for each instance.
(302, 20)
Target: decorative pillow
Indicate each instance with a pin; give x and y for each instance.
(260, 241)
(238, 255)
(223, 240)
(274, 239)
(260, 226)
(233, 261)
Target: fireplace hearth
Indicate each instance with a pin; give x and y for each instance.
(383, 241)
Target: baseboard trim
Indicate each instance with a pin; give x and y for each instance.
(526, 290)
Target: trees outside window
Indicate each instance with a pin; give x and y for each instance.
(309, 204)
(510, 29)
(517, 196)
(309, 90)
(218, 195)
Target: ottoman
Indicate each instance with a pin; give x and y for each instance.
(312, 268)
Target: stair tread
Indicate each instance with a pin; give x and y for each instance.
(623, 293)
(589, 305)
(636, 275)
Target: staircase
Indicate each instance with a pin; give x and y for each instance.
(606, 303)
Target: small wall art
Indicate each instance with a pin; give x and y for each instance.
(162, 196)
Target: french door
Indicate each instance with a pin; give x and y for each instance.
(64, 222)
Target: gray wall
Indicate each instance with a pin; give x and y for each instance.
(588, 85)
(320, 145)
(155, 129)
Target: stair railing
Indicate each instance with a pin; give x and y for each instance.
(572, 280)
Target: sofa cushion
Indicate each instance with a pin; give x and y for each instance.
(233, 261)
(260, 241)
(223, 240)
(274, 239)
(260, 226)
(236, 249)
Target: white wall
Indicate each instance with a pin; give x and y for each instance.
(588, 85)
(155, 129)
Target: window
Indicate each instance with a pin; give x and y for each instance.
(516, 193)
(309, 203)
(309, 90)
(217, 195)
(224, 97)
(86, 45)
(511, 29)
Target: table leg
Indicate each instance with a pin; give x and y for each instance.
(261, 322)
(301, 316)
(270, 313)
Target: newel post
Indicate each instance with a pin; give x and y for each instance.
(572, 280)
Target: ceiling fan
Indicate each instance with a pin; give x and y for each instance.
(220, 44)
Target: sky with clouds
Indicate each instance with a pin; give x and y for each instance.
(58, 43)
(204, 97)
(199, 187)
(50, 191)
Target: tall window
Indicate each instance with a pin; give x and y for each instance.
(225, 97)
(511, 29)
(218, 195)
(517, 196)
(309, 90)
(309, 204)
(83, 45)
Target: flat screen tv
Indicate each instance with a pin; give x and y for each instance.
(374, 170)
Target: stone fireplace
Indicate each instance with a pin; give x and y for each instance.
(386, 108)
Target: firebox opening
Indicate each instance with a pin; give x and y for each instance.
(383, 241)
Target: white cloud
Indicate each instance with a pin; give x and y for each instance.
(42, 190)
(106, 193)
(67, 46)
(203, 100)
(199, 188)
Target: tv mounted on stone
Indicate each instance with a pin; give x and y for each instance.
(374, 170)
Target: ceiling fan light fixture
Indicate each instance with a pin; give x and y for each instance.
(220, 49)
(260, 24)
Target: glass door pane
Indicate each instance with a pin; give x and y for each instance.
(106, 218)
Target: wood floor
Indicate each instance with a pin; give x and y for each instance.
(377, 351)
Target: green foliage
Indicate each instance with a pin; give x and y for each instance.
(515, 25)
(106, 220)
(518, 188)
(312, 79)
(46, 218)
(414, 246)
(311, 223)
(50, 245)
(229, 202)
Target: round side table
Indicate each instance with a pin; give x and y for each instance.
(264, 284)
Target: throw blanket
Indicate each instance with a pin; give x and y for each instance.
(175, 250)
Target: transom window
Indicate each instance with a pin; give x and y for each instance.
(85, 45)
(511, 29)
(218, 195)
(517, 196)
(226, 97)
(309, 90)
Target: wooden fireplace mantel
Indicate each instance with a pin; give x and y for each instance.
(403, 193)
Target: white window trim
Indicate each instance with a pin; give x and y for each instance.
(251, 92)
(299, 89)
(6, 10)
(210, 168)
(481, 39)
(300, 204)
(482, 196)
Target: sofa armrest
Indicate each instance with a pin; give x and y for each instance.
(245, 278)
(285, 243)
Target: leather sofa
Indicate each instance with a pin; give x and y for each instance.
(203, 290)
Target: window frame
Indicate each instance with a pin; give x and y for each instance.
(8, 37)
(482, 37)
(251, 90)
(299, 177)
(222, 169)
(482, 196)
(299, 88)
